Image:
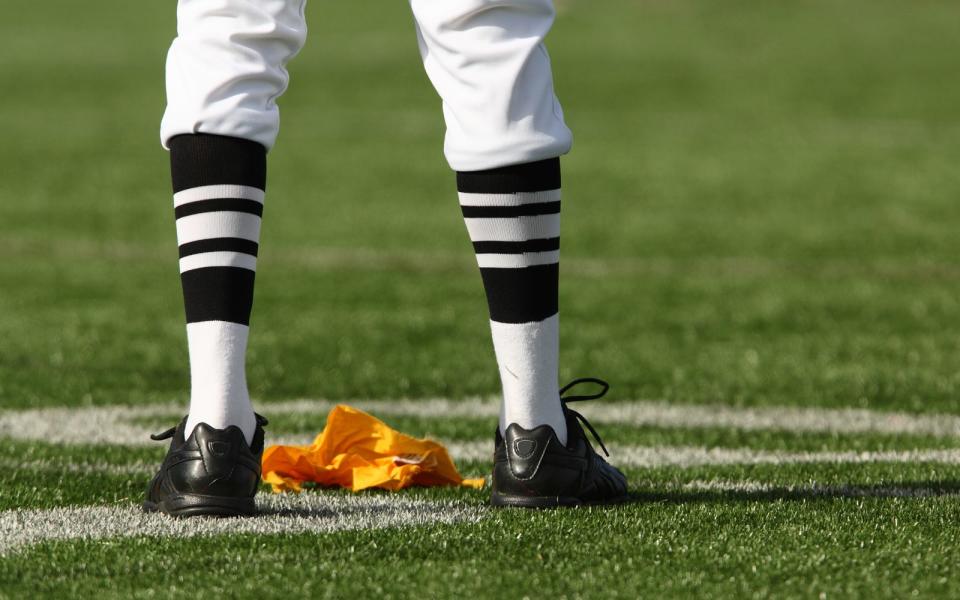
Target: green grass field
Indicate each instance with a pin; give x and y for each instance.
(760, 216)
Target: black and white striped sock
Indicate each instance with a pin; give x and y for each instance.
(218, 185)
(513, 217)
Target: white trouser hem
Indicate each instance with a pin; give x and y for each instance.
(488, 63)
(227, 67)
(486, 59)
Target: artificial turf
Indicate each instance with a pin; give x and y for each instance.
(760, 210)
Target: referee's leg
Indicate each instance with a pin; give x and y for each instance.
(505, 134)
(225, 70)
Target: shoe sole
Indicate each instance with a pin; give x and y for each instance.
(507, 501)
(198, 505)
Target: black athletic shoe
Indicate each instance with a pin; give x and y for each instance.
(531, 468)
(213, 472)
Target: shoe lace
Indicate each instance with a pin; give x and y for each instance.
(166, 435)
(568, 399)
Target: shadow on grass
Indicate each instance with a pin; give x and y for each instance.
(759, 492)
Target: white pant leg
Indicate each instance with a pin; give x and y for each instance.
(226, 67)
(487, 60)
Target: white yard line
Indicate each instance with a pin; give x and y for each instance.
(695, 456)
(750, 487)
(62, 465)
(313, 512)
(114, 424)
(623, 456)
(662, 414)
(285, 513)
(691, 456)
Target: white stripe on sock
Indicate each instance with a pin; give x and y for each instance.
(520, 198)
(218, 259)
(517, 261)
(205, 226)
(518, 229)
(209, 192)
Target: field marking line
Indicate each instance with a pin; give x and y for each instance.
(659, 413)
(319, 513)
(814, 490)
(622, 456)
(83, 467)
(113, 425)
(308, 512)
(696, 456)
